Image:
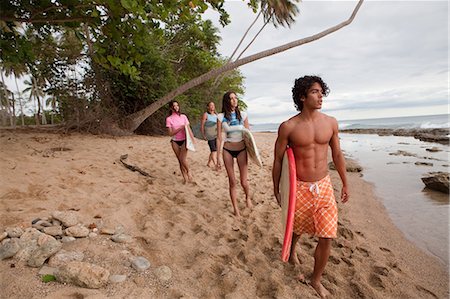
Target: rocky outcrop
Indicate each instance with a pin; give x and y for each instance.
(438, 181)
(41, 246)
(429, 135)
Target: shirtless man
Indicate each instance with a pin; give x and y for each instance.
(309, 134)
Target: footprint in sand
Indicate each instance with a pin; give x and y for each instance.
(361, 289)
(257, 233)
(347, 261)
(426, 292)
(334, 260)
(363, 251)
(394, 266)
(385, 249)
(360, 234)
(376, 281)
(380, 270)
(345, 232)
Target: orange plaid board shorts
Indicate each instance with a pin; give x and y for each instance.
(316, 209)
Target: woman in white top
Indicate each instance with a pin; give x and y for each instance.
(208, 128)
(232, 122)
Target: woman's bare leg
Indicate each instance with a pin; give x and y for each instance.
(183, 161)
(177, 150)
(242, 161)
(229, 166)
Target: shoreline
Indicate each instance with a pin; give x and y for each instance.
(438, 135)
(220, 256)
(396, 166)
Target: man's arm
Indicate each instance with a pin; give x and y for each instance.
(339, 160)
(280, 147)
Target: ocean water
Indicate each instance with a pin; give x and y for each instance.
(408, 122)
(421, 214)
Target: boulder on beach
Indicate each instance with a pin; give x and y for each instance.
(350, 165)
(438, 181)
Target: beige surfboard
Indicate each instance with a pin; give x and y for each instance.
(252, 149)
(189, 139)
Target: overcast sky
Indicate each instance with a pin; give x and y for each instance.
(391, 61)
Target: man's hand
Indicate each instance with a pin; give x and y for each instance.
(344, 194)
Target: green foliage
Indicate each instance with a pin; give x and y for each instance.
(48, 277)
(133, 52)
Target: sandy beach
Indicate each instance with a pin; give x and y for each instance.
(190, 228)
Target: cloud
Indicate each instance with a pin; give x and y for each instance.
(393, 56)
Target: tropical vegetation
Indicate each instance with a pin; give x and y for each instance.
(110, 66)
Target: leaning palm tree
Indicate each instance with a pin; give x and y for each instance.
(133, 121)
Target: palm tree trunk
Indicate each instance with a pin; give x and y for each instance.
(20, 102)
(220, 77)
(251, 42)
(38, 110)
(132, 121)
(44, 117)
(13, 102)
(243, 37)
(7, 105)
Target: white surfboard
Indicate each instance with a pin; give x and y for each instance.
(189, 139)
(252, 149)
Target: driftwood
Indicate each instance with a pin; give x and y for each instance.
(132, 167)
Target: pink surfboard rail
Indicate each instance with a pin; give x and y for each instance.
(289, 225)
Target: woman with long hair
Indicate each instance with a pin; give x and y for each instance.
(232, 122)
(176, 124)
(208, 128)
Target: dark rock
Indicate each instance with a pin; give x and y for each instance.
(438, 181)
(423, 163)
(403, 153)
(433, 149)
(350, 165)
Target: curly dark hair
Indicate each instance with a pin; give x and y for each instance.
(301, 87)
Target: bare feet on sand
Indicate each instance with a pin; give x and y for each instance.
(293, 259)
(302, 278)
(249, 204)
(320, 289)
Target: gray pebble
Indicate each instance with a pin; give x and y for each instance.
(140, 263)
(117, 278)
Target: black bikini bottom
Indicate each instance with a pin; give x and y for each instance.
(234, 154)
(179, 142)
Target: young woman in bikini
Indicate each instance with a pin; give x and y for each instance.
(176, 123)
(209, 131)
(232, 121)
